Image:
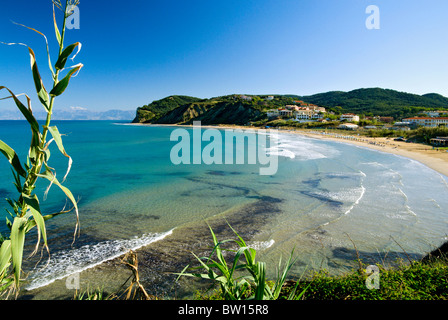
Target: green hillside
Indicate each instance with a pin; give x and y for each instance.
(377, 101)
(231, 109)
(234, 109)
(157, 109)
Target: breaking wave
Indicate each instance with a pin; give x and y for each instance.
(68, 262)
(297, 147)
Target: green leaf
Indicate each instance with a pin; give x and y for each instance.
(60, 64)
(32, 223)
(217, 248)
(12, 157)
(25, 111)
(46, 42)
(56, 29)
(5, 283)
(35, 148)
(250, 253)
(40, 89)
(236, 259)
(5, 256)
(57, 138)
(282, 278)
(17, 182)
(34, 207)
(17, 242)
(260, 271)
(62, 85)
(46, 153)
(300, 295)
(52, 178)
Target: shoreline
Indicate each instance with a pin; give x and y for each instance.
(425, 154)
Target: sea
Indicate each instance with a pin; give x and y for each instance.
(329, 204)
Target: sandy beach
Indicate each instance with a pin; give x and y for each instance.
(426, 154)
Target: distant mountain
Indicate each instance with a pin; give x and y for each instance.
(241, 109)
(73, 113)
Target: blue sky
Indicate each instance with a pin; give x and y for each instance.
(136, 52)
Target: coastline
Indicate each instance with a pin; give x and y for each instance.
(425, 154)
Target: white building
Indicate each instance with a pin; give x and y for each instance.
(402, 124)
(428, 121)
(307, 115)
(350, 117)
(300, 114)
(273, 113)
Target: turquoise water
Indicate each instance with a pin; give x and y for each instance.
(324, 197)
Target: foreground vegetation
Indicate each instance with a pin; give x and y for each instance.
(417, 281)
(246, 280)
(25, 212)
(426, 279)
(420, 280)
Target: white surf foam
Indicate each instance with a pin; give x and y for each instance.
(363, 190)
(261, 245)
(65, 263)
(300, 148)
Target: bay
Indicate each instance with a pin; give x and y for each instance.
(325, 197)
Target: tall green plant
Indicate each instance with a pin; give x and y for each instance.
(251, 283)
(26, 213)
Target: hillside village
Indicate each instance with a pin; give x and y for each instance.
(303, 112)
